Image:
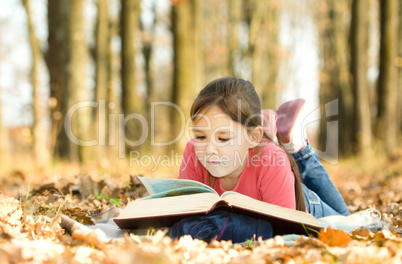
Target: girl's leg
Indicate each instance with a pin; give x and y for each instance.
(315, 205)
(291, 134)
(316, 178)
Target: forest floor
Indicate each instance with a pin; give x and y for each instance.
(32, 200)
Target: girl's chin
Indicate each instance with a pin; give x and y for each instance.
(218, 171)
(217, 174)
(214, 172)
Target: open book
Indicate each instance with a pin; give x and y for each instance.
(173, 199)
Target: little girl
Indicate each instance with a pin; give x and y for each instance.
(231, 151)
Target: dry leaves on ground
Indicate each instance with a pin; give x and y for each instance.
(31, 232)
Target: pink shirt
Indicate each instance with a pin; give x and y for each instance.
(266, 177)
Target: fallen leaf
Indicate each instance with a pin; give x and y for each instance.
(10, 211)
(334, 237)
(361, 234)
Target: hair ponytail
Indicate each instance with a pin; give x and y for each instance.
(300, 203)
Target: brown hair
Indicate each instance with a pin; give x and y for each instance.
(238, 99)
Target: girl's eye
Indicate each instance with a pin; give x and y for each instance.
(224, 139)
(200, 137)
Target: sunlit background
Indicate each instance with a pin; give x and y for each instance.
(292, 49)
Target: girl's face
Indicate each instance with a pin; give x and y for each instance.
(222, 144)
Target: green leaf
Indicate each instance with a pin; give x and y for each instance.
(250, 243)
(306, 229)
(100, 196)
(116, 201)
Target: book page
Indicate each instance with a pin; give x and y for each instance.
(228, 193)
(175, 205)
(248, 203)
(177, 192)
(160, 187)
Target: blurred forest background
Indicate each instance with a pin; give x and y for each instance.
(108, 65)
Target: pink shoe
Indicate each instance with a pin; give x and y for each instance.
(289, 124)
(269, 118)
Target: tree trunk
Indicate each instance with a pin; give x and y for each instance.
(147, 48)
(255, 51)
(80, 138)
(147, 32)
(40, 143)
(359, 53)
(131, 101)
(262, 20)
(102, 75)
(400, 70)
(387, 125)
(343, 80)
(334, 77)
(215, 33)
(186, 75)
(198, 60)
(328, 26)
(113, 97)
(235, 13)
(269, 72)
(256, 45)
(4, 146)
(57, 63)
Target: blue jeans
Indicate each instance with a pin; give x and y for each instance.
(321, 196)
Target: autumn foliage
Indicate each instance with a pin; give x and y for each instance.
(31, 229)
(39, 239)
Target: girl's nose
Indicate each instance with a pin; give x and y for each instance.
(211, 148)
